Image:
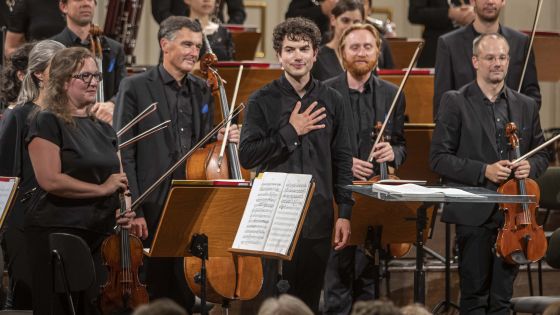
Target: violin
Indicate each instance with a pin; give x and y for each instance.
(95, 33)
(232, 277)
(396, 250)
(122, 254)
(521, 240)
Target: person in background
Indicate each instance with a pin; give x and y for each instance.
(350, 275)
(11, 77)
(162, 9)
(378, 307)
(79, 18)
(438, 17)
(15, 162)
(284, 305)
(454, 68)
(329, 62)
(318, 11)
(162, 306)
(32, 20)
(218, 36)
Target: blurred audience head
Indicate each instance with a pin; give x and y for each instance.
(284, 305)
(379, 307)
(415, 309)
(160, 307)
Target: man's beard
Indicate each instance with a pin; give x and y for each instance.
(488, 19)
(360, 69)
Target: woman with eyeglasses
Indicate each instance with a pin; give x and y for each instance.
(14, 161)
(75, 160)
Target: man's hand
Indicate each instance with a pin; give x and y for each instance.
(341, 233)
(498, 172)
(104, 111)
(308, 120)
(361, 170)
(522, 169)
(139, 228)
(233, 135)
(383, 152)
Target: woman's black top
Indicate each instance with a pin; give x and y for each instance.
(37, 19)
(88, 152)
(14, 158)
(221, 43)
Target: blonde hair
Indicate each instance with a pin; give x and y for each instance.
(284, 305)
(63, 65)
(359, 26)
(415, 309)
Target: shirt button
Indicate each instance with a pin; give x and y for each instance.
(182, 129)
(295, 143)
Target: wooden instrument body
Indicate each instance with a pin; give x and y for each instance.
(123, 290)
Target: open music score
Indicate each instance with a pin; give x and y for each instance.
(8, 189)
(274, 214)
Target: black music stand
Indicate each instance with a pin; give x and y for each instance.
(428, 201)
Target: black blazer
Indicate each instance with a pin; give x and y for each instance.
(433, 15)
(384, 94)
(145, 161)
(454, 63)
(462, 144)
(114, 68)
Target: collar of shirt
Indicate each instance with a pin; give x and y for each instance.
(75, 39)
(476, 34)
(286, 86)
(169, 80)
(481, 98)
(368, 86)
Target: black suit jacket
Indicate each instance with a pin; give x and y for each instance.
(384, 94)
(433, 15)
(462, 144)
(162, 9)
(114, 68)
(145, 161)
(454, 63)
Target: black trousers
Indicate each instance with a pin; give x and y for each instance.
(19, 271)
(486, 280)
(164, 277)
(45, 302)
(349, 278)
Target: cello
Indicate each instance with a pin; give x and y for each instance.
(233, 277)
(521, 240)
(95, 46)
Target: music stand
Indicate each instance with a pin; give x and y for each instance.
(428, 201)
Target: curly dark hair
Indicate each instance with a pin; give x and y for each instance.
(10, 84)
(296, 29)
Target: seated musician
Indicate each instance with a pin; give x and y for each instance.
(297, 124)
(218, 36)
(187, 101)
(79, 16)
(454, 50)
(162, 9)
(470, 148)
(75, 161)
(329, 62)
(349, 272)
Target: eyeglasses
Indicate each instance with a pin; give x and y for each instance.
(86, 77)
(491, 58)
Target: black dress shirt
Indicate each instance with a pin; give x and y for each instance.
(270, 143)
(37, 19)
(363, 110)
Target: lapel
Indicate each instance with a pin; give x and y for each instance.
(155, 88)
(381, 105)
(468, 38)
(480, 114)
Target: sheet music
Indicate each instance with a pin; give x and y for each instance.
(412, 189)
(7, 186)
(287, 215)
(259, 212)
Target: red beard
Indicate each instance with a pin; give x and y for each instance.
(359, 68)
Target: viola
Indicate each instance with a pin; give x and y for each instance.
(122, 254)
(521, 240)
